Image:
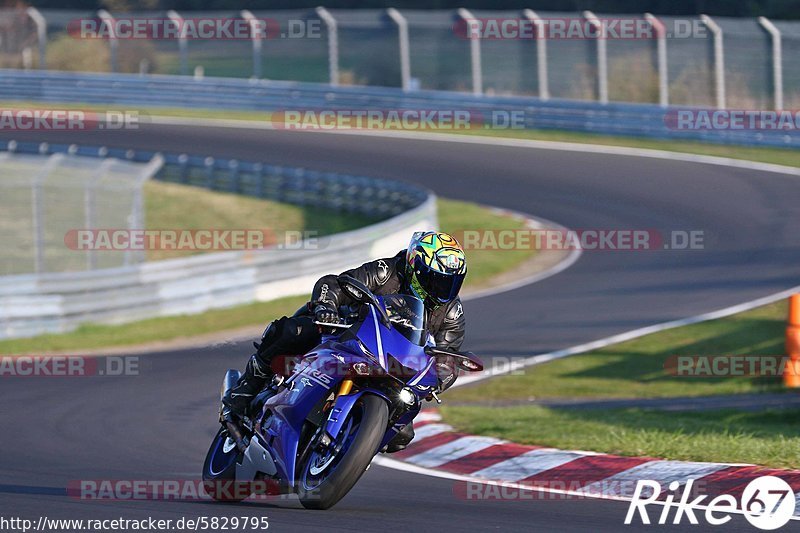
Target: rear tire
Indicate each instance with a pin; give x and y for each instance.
(219, 472)
(371, 414)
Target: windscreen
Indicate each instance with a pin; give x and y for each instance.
(407, 315)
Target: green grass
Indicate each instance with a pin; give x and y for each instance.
(276, 67)
(453, 215)
(770, 438)
(635, 369)
(173, 206)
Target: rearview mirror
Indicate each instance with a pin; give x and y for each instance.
(359, 292)
(355, 289)
(467, 361)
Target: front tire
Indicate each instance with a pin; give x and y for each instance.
(324, 478)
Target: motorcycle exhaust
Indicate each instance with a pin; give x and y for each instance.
(236, 434)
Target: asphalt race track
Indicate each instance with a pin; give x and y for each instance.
(157, 426)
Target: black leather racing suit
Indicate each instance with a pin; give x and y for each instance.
(297, 335)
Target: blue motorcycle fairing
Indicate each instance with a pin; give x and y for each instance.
(389, 345)
(285, 413)
(404, 420)
(341, 409)
(318, 377)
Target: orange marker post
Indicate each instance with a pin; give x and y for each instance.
(791, 374)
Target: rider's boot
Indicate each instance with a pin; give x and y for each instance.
(255, 376)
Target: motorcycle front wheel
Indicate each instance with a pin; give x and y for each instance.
(327, 476)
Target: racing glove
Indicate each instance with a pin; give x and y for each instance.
(326, 312)
(446, 372)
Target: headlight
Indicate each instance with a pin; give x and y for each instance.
(360, 368)
(407, 396)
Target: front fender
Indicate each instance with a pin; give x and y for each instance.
(341, 409)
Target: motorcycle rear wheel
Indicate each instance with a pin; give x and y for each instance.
(219, 472)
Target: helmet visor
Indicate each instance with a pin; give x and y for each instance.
(440, 286)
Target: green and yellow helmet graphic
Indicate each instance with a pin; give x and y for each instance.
(435, 266)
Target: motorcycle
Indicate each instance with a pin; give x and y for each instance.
(316, 431)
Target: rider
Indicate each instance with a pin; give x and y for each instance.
(432, 268)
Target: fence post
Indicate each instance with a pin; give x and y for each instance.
(255, 35)
(474, 49)
(183, 42)
(333, 43)
(37, 211)
(661, 58)
(209, 164)
(235, 177)
(41, 33)
(136, 220)
(183, 168)
(719, 60)
(111, 26)
(89, 204)
(258, 177)
(602, 56)
(541, 52)
(777, 61)
(405, 53)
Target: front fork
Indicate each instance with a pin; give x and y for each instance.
(338, 412)
(328, 432)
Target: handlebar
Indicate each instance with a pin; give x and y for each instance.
(331, 325)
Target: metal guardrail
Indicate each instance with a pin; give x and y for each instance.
(640, 120)
(375, 197)
(31, 304)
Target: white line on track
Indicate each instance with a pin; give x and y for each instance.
(493, 141)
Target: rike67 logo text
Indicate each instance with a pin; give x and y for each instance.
(768, 503)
